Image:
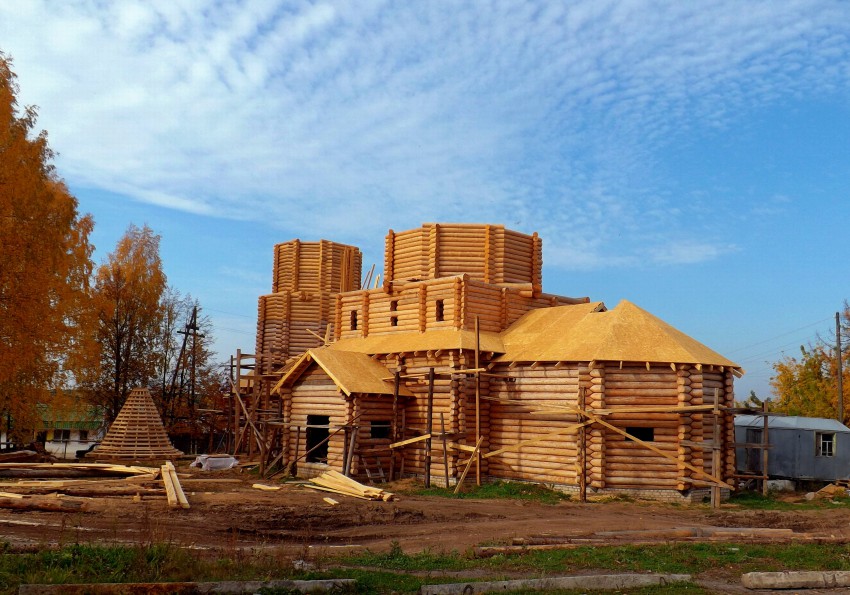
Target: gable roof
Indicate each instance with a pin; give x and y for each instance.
(350, 371)
(588, 332)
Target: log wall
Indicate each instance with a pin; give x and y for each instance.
(305, 279)
(437, 304)
(628, 463)
(488, 253)
(316, 394)
(513, 420)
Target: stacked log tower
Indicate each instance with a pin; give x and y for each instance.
(307, 276)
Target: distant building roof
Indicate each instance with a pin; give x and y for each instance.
(819, 424)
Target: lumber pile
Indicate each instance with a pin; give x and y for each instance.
(173, 489)
(72, 470)
(335, 482)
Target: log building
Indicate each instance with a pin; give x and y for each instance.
(459, 361)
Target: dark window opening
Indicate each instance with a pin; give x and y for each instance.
(84, 435)
(393, 320)
(354, 320)
(61, 435)
(825, 444)
(393, 305)
(318, 431)
(644, 434)
(440, 311)
(753, 460)
(380, 428)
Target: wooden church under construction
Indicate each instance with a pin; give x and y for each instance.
(458, 362)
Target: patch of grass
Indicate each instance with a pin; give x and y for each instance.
(756, 501)
(671, 589)
(396, 559)
(507, 490)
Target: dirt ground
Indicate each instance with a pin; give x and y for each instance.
(227, 512)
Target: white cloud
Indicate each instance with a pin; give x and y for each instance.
(349, 118)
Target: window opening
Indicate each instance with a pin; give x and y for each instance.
(393, 320)
(440, 311)
(354, 320)
(61, 435)
(825, 444)
(84, 435)
(379, 428)
(644, 434)
(317, 430)
(393, 305)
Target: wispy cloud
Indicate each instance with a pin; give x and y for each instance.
(349, 118)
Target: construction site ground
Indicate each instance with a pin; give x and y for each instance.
(227, 513)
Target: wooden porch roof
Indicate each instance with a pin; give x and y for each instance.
(350, 371)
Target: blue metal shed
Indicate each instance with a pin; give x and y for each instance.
(802, 448)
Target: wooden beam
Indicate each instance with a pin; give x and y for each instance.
(410, 441)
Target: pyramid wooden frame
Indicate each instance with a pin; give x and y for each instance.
(137, 432)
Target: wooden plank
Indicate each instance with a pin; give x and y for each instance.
(410, 441)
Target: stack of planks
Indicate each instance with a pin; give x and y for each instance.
(333, 481)
(73, 470)
(173, 489)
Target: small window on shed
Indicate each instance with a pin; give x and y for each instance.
(354, 320)
(440, 311)
(825, 444)
(380, 428)
(644, 434)
(84, 435)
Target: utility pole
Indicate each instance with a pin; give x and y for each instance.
(840, 372)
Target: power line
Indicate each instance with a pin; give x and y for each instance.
(780, 336)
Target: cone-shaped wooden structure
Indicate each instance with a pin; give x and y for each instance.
(137, 432)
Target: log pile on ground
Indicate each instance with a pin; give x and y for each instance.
(72, 470)
(333, 481)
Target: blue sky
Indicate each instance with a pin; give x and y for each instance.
(691, 157)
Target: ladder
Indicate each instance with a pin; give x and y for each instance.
(374, 470)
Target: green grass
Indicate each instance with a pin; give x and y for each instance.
(756, 501)
(398, 572)
(507, 490)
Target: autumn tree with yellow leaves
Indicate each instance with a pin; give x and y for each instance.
(45, 266)
(808, 384)
(128, 291)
